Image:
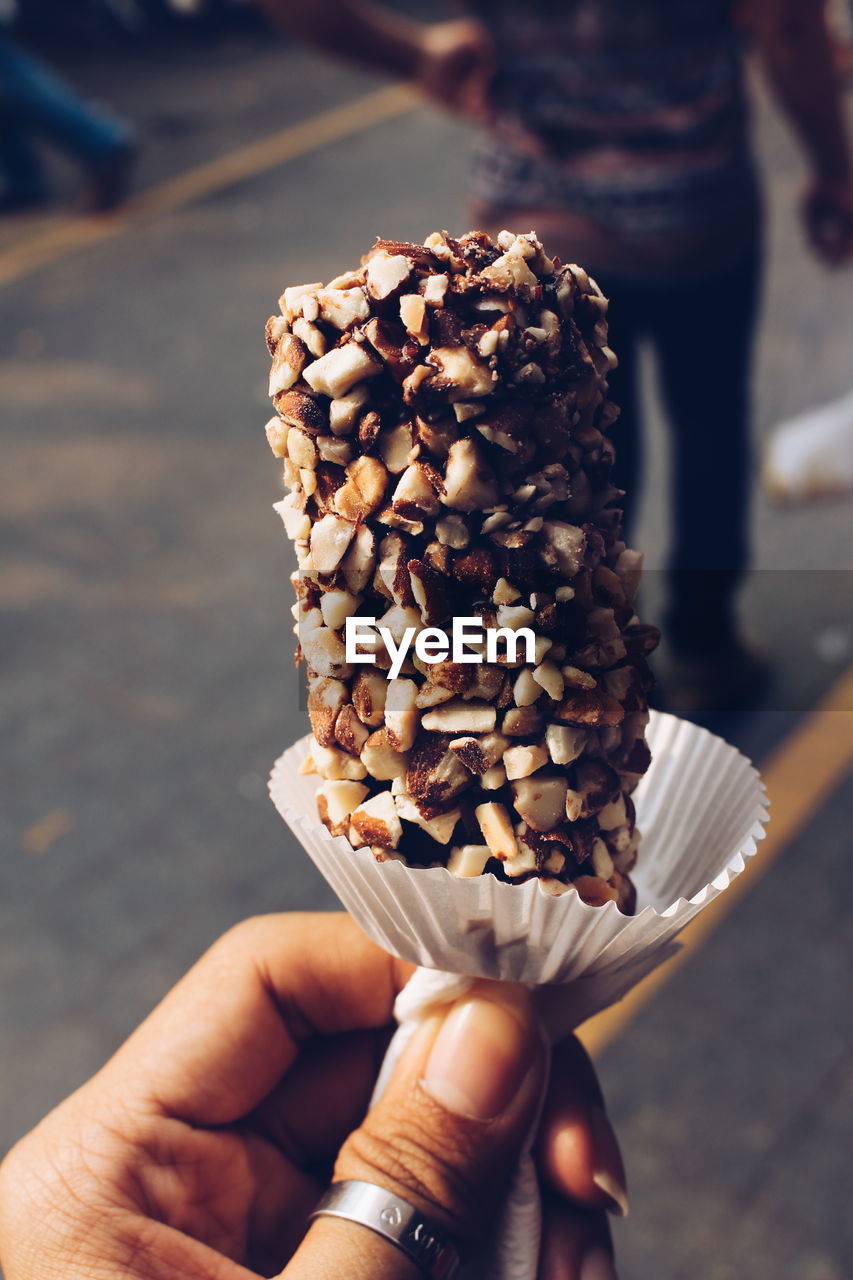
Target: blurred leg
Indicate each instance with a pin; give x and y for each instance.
(39, 102)
(704, 338)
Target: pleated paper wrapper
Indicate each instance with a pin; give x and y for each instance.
(701, 809)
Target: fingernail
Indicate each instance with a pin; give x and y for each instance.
(598, 1265)
(480, 1057)
(608, 1172)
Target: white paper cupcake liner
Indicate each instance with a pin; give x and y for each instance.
(701, 809)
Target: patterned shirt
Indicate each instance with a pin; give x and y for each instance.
(630, 114)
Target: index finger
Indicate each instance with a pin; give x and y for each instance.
(225, 1035)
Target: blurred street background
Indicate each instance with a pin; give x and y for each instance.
(145, 628)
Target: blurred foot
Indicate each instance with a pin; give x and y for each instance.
(109, 183)
(731, 678)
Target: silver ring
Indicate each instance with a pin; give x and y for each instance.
(396, 1221)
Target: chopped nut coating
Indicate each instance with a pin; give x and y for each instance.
(441, 413)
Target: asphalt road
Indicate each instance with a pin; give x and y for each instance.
(148, 686)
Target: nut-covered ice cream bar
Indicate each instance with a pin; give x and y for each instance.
(477, 677)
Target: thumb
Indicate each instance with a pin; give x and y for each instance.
(445, 1135)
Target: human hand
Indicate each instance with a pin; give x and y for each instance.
(828, 218)
(456, 64)
(200, 1149)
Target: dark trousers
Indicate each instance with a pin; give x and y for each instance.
(702, 333)
(36, 102)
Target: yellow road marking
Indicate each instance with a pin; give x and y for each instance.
(799, 776)
(43, 833)
(216, 175)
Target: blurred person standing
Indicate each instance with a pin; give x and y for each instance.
(37, 103)
(618, 129)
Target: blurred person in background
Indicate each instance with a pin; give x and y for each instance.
(35, 103)
(618, 130)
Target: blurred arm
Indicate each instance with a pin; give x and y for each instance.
(354, 30)
(453, 62)
(794, 39)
